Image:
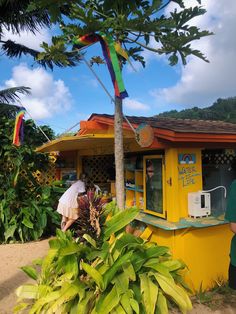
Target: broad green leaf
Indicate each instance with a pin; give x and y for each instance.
(118, 310)
(71, 248)
(94, 274)
(67, 293)
(156, 251)
(57, 243)
(129, 271)
(69, 264)
(90, 240)
(103, 268)
(121, 282)
(159, 268)
(125, 302)
(44, 301)
(110, 273)
(162, 304)
(126, 240)
(47, 262)
(30, 271)
(135, 305)
(119, 221)
(173, 265)
(27, 223)
(83, 305)
(27, 292)
(37, 261)
(137, 259)
(43, 220)
(149, 292)
(9, 233)
(20, 307)
(179, 295)
(110, 301)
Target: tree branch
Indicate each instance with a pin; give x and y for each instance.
(144, 46)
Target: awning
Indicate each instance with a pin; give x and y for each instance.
(70, 143)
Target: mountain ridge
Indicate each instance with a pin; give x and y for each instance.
(221, 110)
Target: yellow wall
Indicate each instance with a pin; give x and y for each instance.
(180, 180)
(204, 250)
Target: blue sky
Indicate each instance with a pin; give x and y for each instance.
(65, 96)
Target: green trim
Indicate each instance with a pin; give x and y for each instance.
(184, 223)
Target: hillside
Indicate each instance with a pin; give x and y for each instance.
(222, 109)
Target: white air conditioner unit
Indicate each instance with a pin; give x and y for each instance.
(199, 204)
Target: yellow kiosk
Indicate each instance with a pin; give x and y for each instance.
(179, 182)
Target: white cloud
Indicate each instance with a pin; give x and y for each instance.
(29, 39)
(48, 96)
(202, 83)
(135, 105)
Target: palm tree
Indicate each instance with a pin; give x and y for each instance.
(9, 96)
(16, 17)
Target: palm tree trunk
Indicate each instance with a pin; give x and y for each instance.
(119, 154)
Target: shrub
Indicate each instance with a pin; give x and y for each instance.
(123, 274)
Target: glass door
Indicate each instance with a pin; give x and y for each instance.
(153, 185)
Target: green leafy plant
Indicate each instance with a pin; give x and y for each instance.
(26, 207)
(91, 218)
(123, 274)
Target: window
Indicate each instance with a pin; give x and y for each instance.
(153, 185)
(218, 169)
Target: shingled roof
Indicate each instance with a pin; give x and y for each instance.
(179, 125)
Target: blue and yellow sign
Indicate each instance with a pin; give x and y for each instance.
(187, 159)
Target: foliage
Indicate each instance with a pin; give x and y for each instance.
(26, 207)
(134, 24)
(15, 18)
(11, 94)
(222, 109)
(124, 274)
(91, 218)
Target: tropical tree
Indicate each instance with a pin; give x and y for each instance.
(16, 18)
(136, 25)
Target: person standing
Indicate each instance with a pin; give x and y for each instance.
(68, 205)
(230, 215)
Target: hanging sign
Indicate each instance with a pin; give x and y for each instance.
(186, 159)
(144, 135)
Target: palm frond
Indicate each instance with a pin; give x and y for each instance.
(15, 17)
(14, 50)
(11, 94)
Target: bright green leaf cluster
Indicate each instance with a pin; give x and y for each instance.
(125, 274)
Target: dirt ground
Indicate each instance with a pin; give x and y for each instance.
(13, 256)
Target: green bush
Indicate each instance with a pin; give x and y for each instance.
(26, 208)
(28, 219)
(124, 274)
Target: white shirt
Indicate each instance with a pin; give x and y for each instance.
(69, 198)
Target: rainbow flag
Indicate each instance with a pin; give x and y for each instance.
(19, 128)
(109, 50)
